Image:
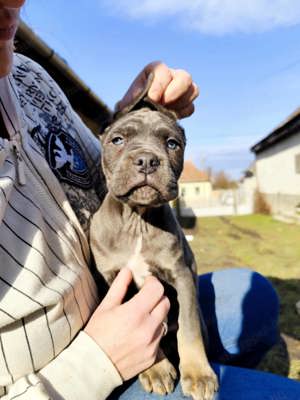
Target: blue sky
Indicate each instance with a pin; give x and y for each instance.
(243, 54)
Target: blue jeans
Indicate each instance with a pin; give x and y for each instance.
(240, 308)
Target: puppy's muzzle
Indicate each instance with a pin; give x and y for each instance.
(146, 163)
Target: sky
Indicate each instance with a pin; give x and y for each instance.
(243, 54)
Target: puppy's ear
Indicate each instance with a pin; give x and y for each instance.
(143, 101)
(136, 103)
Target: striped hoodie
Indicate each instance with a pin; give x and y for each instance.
(49, 188)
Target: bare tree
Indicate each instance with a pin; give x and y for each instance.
(221, 180)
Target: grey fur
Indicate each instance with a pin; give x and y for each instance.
(135, 227)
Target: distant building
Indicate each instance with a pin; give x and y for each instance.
(277, 166)
(194, 185)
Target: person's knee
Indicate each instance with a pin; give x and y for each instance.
(261, 309)
(259, 327)
(241, 308)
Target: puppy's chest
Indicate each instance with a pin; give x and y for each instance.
(138, 262)
(144, 260)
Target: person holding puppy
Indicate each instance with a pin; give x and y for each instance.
(57, 339)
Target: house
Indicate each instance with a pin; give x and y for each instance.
(194, 186)
(91, 109)
(277, 166)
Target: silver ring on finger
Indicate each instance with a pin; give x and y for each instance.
(164, 328)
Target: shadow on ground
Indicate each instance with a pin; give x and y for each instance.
(289, 293)
(284, 358)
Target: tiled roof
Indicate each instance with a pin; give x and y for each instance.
(191, 173)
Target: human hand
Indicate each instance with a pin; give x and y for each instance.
(130, 333)
(173, 88)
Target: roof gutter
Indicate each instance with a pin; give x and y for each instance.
(284, 131)
(53, 58)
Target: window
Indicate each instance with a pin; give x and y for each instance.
(297, 163)
(182, 192)
(197, 190)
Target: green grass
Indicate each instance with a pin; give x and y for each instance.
(271, 248)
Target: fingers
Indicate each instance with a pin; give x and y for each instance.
(162, 79)
(172, 87)
(148, 296)
(155, 324)
(159, 317)
(152, 307)
(184, 106)
(161, 310)
(180, 87)
(184, 100)
(118, 290)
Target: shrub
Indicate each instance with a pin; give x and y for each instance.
(261, 206)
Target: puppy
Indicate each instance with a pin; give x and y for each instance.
(142, 159)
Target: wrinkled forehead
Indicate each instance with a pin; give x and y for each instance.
(144, 121)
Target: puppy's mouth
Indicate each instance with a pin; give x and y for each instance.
(142, 194)
(146, 191)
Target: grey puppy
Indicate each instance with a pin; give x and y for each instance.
(142, 160)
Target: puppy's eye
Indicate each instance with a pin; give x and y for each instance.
(172, 144)
(118, 140)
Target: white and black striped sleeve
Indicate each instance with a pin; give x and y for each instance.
(81, 371)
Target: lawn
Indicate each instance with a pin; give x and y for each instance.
(271, 248)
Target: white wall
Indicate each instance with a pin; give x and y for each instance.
(276, 170)
(193, 194)
(195, 190)
(221, 202)
(248, 188)
(245, 209)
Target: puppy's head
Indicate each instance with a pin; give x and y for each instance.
(142, 154)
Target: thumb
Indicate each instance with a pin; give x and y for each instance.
(117, 291)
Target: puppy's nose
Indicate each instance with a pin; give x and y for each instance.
(146, 163)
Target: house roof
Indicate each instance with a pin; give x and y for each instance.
(287, 128)
(191, 173)
(86, 103)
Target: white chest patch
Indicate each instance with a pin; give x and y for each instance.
(138, 265)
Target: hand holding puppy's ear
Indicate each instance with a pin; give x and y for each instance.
(173, 88)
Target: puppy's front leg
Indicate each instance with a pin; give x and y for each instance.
(197, 378)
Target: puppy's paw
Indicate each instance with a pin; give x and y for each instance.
(159, 378)
(200, 385)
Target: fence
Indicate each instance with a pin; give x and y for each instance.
(220, 202)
